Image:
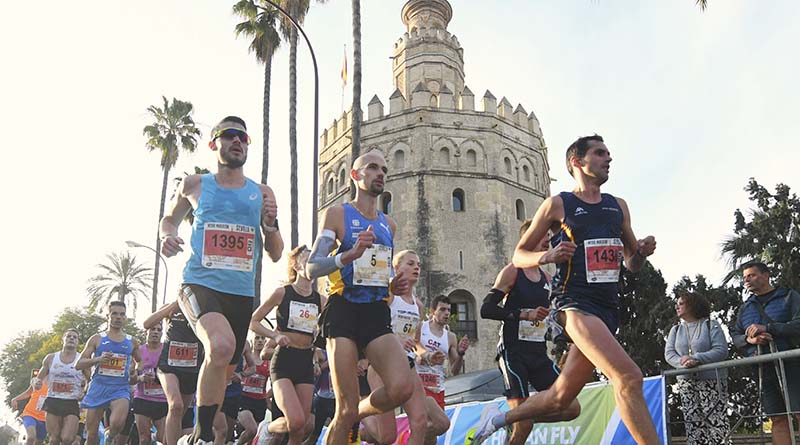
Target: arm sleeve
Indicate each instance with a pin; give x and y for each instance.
(670, 354)
(719, 346)
(319, 262)
(790, 328)
(491, 310)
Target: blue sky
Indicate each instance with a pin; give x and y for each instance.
(691, 104)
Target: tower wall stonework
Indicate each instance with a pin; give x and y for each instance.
(489, 161)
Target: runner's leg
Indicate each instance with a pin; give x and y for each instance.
(176, 407)
(522, 429)
(144, 425)
(54, 426)
(387, 357)
(219, 344)
(69, 429)
(93, 417)
(342, 356)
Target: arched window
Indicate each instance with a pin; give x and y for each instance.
(463, 314)
(342, 178)
(444, 156)
(526, 173)
(458, 200)
(520, 210)
(472, 158)
(330, 185)
(507, 162)
(399, 159)
(386, 202)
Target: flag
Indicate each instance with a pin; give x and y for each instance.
(344, 69)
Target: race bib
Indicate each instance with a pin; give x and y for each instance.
(114, 367)
(532, 330)
(405, 325)
(182, 355)
(254, 384)
(303, 316)
(430, 381)
(228, 246)
(62, 388)
(603, 259)
(374, 267)
(153, 389)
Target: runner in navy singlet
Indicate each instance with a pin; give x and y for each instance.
(593, 238)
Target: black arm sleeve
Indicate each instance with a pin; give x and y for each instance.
(491, 310)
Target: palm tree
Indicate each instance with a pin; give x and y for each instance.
(259, 25)
(356, 124)
(123, 279)
(702, 3)
(298, 10)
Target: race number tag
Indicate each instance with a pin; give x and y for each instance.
(603, 259)
(374, 267)
(115, 366)
(532, 330)
(182, 355)
(303, 316)
(430, 381)
(62, 388)
(254, 384)
(228, 246)
(153, 389)
(405, 325)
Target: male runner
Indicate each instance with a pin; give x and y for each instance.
(522, 351)
(593, 234)
(437, 343)
(33, 418)
(66, 386)
(356, 316)
(110, 353)
(149, 402)
(219, 278)
(178, 365)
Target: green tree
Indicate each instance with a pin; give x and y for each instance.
(123, 279)
(770, 235)
(259, 25)
(357, 115)
(16, 361)
(172, 129)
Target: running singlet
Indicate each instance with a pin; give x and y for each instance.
(225, 243)
(526, 295)
(433, 375)
(151, 391)
(115, 370)
(255, 386)
(64, 381)
(182, 350)
(34, 406)
(366, 279)
(297, 313)
(594, 270)
(405, 319)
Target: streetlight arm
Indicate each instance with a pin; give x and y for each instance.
(163, 260)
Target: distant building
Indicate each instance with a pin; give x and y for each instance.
(461, 180)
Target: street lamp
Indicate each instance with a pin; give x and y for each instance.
(315, 206)
(166, 271)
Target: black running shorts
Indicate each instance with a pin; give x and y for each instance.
(360, 322)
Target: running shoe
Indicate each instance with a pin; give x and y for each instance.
(263, 436)
(354, 436)
(190, 440)
(485, 426)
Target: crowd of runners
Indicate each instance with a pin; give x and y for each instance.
(368, 347)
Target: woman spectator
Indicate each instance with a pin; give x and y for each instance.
(698, 340)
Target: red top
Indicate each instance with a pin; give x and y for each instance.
(255, 386)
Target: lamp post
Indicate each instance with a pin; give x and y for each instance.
(166, 271)
(315, 205)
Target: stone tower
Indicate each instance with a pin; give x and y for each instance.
(461, 180)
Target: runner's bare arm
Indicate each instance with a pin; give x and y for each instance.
(548, 216)
(179, 207)
(43, 371)
(262, 311)
(636, 251)
(162, 313)
(249, 360)
(269, 349)
(86, 361)
(273, 242)
(319, 261)
(453, 354)
(137, 351)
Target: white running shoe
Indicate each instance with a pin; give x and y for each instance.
(187, 440)
(485, 426)
(263, 436)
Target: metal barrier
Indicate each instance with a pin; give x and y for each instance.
(778, 357)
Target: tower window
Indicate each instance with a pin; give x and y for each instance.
(458, 200)
(472, 158)
(330, 186)
(520, 210)
(342, 178)
(526, 173)
(386, 203)
(399, 159)
(507, 163)
(444, 156)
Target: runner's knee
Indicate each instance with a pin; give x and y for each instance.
(400, 392)
(175, 404)
(221, 349)
(296, 423)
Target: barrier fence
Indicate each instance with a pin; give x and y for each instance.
(777, 358)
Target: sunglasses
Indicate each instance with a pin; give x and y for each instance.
(230, 133)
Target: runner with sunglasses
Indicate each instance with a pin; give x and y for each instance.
(219, 278)
(292, 366)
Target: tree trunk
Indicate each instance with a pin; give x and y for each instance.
(356, 124)
(264, 169)
(154, 299)
(293, 131)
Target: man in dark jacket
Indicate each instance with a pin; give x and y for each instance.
(769, 321)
